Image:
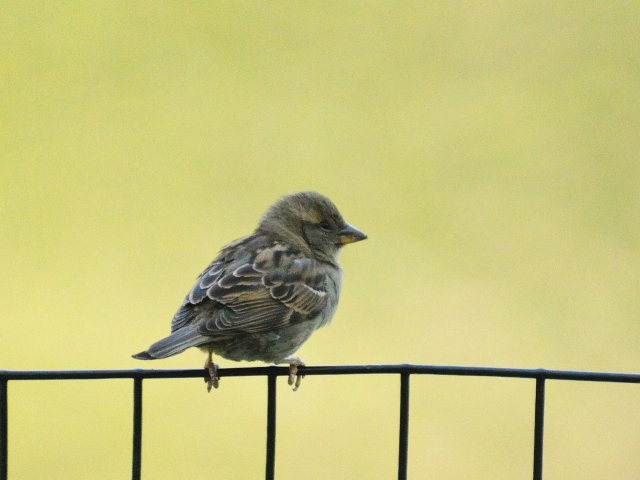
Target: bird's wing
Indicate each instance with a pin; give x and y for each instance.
(255, 290)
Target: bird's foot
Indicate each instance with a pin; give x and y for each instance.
(294, 377)
(214, 379)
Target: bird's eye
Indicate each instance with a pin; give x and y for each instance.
(326, 226)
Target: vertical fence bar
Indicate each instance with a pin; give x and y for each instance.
(403, 450)
(4, 430)
(539, 429)
(271, 427)
(136, 470)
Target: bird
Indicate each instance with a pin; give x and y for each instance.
(265, 294)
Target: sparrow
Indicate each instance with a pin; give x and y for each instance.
(265, 294)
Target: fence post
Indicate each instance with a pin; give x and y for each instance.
(271, 427)
(136, 470)
(538, 429)
(403, 450)
(4, 430)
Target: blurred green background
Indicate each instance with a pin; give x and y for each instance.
(490, 150)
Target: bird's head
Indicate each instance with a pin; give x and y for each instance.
(309, 221)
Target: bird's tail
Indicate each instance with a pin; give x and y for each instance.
(175, 343)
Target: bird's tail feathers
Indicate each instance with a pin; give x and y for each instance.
(175, 343)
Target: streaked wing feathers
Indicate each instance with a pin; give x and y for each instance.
(255, 289)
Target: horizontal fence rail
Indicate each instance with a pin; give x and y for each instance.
(404, 370)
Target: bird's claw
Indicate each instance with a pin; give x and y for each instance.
(298, 381)
(294, 377)
(214, 379)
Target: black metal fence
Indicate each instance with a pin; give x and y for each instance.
(405, 371)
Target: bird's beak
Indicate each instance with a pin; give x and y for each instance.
(351, 234)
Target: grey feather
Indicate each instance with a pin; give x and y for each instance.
(175, 343)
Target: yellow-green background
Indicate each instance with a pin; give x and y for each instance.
(490, 150)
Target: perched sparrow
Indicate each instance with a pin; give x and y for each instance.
(265, 294)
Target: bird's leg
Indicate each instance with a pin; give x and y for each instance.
(214, 380)
(294, 377)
